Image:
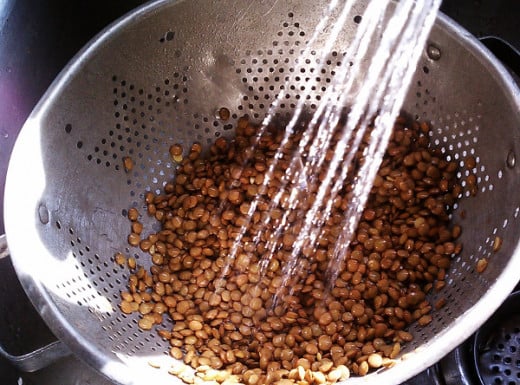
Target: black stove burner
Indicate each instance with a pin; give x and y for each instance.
(496, 346)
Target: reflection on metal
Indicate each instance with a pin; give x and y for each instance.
(4, 250)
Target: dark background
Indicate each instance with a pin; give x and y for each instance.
(38, 38)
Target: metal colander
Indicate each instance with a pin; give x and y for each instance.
(157, 77)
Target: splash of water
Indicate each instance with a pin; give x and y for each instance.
(389, 77)
(289, 129)
(389, 39)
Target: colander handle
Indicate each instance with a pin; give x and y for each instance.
(40, 357)
(505, 52)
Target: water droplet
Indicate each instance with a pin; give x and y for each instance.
(511, 159)
(433, 52)
(43, 214)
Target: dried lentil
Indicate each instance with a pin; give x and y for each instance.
(497, 243)
(128, 163)
(481, 265)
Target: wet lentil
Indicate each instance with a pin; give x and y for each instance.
(225, 318)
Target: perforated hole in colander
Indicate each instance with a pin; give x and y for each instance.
(497, 346)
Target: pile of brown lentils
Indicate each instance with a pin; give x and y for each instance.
(226, 324)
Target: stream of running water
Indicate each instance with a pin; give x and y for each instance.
(370, 83)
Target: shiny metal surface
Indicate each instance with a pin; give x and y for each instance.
(71, 201)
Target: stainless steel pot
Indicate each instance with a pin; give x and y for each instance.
(158, 76)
